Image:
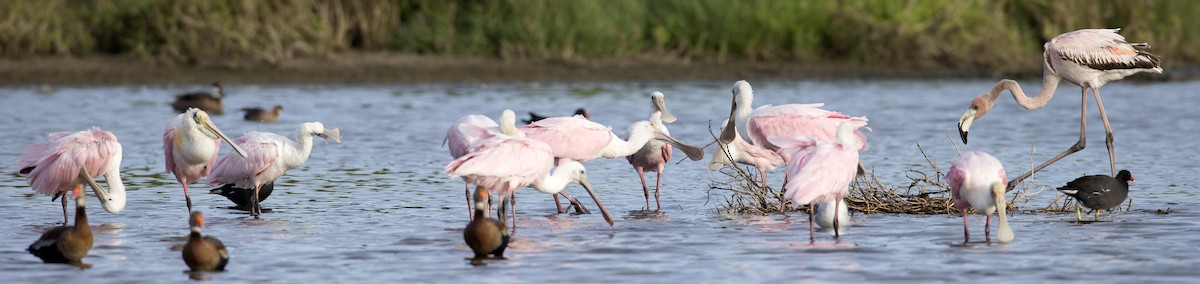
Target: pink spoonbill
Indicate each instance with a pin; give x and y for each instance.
(268, 157)
(190, 145)
(72, 158)
(471, 129)
(581, 140)
(1088, 58)
(787, 120)
(821, 171)
(977, 181)
(742, 152)
(655, 154)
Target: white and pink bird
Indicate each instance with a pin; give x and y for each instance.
(579, 139)
(821, 171)
(474, 128)
(977, 180)
(268, 157)
(747, 129)
(72, 158)
(190, 146)
(1088, 58)
(654, 155)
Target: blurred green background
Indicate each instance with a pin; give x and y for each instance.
(999, 36)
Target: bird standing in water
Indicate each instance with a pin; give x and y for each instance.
(268, 157)
(1098, 192)
(191, 144)
(55, 167)
(207, 101)
(203, 253)
(261, 115)
(977, 180)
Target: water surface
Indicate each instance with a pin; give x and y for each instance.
(377, 207)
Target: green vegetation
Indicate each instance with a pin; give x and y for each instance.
(981, 35)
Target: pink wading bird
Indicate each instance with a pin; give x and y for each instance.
(268, 156)
(742, 152)
(1088, 58)
(190, 145)
(977, 180)
(70, 158)
(502, 164)
(821, 171)
(653, 156)
(472, 129)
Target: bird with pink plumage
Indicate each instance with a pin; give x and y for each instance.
(268, 157)
(977, 180)
(72, 158)
(190, 146)
(820, 171)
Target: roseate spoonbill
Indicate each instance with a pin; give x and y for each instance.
(581, 140)
(241, 196)
(821, 171)
(53, 168)
(203, 253)
(828, 211)
(742, 152)
(788, 120)
(655, 154)
(67, 244)
(207, 101)
(473, 128)
(533, 117)
(268, 157)
(190, 145)
(261, 115)
(1098, 192)
(1088, 58)
(977, 180)
(485, 235)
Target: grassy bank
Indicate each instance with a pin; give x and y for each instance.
(998, 36)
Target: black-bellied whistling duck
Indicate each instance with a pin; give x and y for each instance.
(1098, 192)
(485, 235)
(67, 244)
(207, 101)
(243, 197)
(261, 115)
(533, 117)
(203, 253)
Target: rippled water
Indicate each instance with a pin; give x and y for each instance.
(377, 208)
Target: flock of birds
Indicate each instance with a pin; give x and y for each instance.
(819, 149)
(69, 160)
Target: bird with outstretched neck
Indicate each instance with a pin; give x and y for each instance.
(1098, 192)
(1088, 58)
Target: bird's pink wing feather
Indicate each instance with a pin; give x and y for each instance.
(262, 150)
(955, 177)
(468, 130)
(503, 163)
(762, 158)
(570, 137)
(1100, 49)
(169, 148)
(821, 174)
(798, 119)
(56, 164)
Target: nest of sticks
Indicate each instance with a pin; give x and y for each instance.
(925, 192)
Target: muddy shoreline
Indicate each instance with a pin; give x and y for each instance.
(384, 69)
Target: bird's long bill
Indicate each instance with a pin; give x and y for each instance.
(1005, 234)
(729, 132)
(694, 153)
(661, 104)
(335, 133)
(964, 123)
(588, 186)
(213, 127)
(100, 192)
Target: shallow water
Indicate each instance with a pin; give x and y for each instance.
(377, 207)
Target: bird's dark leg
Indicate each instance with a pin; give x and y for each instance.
(186, 195)
(1108, 135)
(987, 228)
(557, 204)
(579, 209)
(1074, 148)
(811, 237)
(836, 208)
(63, 196)
(512, 199)
(470, 210)
(645, 190)
(255, 210)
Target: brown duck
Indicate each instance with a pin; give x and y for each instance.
(204, 253)
(485, 235)
(66, 244)
(207, 101)
(261, 115)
